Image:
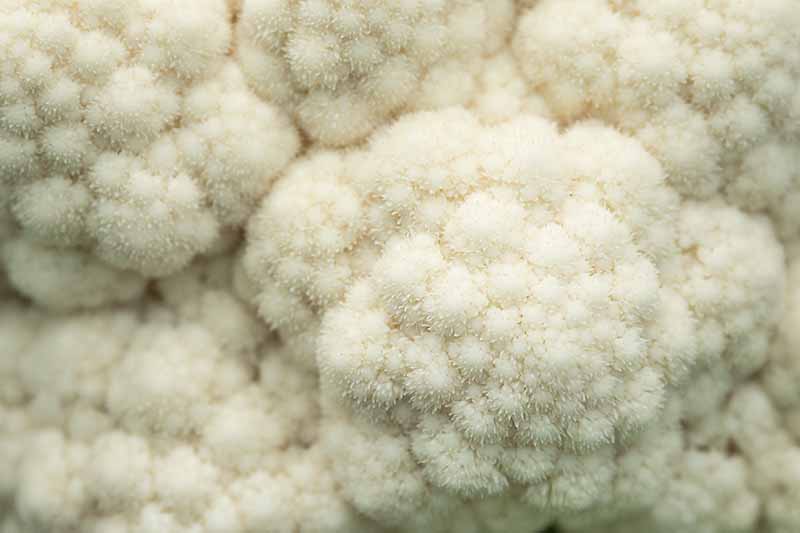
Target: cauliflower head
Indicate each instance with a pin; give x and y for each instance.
(179, 413)
(346, 67)
(127, 132)
(511, 310)
(711, 88)
(363, 266)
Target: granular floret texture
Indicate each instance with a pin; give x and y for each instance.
(736, 295)
(508, 309)
(736, 471)
(65, 280)
(737, 466)
(152, 417)
(345, 67)
(712, 88)
(381, 476)
(115, 137)
(456, 310)
(782, 372)
(371, 266)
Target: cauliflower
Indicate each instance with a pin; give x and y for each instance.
(511, 309)
(68, 279)
(126, 132)
(361, 266)
(345, 67)
(176, 414)
(712, 88)
(737, 469)
(736, 472)
(782, 374)
(736, 295)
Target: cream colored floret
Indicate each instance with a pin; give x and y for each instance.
(126, 132)
(177, 414)
(710, 88)
(345, 67)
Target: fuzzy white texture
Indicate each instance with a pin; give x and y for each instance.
(711, 88)
(7, 230)
(379, 475)
(64, 280)
(127, 133)
(345, 67)
(368, 266)
(176, 414)
(782, 374)
(737, 295)
(703, 492)
(512, 308)
(739, 464)
(502, 93)
(736, 471)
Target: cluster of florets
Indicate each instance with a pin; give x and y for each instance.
(452, 266)
(511, 311)
(710, 88)
(128, 135)
(344, 67)
(175, 414)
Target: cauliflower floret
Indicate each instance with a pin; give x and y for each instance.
(128, 133)
(54, 401)
(381, 477)
(64, 280)
(347, 67)
(522, 276)
(503, 93)
(736, 469)
(733, 454)
(706, 492)
(782, 374)
(769, 179)
(302, 248)
(696, 486)
(710, 88)
(161, 416)
(736, 295)
(509, 309)
(168, 377)
(764, 435)
(18, 328)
